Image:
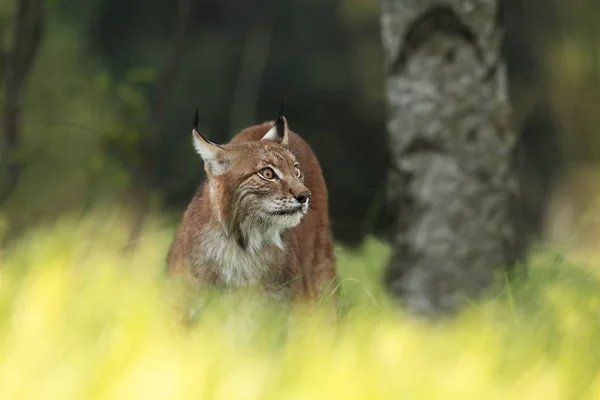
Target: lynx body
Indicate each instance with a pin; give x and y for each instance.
(259, 219)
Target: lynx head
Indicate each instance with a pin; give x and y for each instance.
(255, 186)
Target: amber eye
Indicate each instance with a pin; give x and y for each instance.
(298, 173)
(267, 173)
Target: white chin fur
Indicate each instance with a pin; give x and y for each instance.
(288, 221)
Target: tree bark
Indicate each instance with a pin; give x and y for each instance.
(18, 60)
(451, 185)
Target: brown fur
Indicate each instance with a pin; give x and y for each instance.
(305, 267)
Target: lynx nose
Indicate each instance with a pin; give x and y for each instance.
(302, 197)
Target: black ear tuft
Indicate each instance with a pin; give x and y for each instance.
(281, 107)
(196, 119)
(280, 125)
(280, 122)
(197, 130)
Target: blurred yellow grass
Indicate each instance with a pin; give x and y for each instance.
(80, 319)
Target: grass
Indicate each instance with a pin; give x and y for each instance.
(80, 319)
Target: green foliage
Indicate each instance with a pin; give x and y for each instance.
(130, 129)
(80, 131)
(569, 53)
(83, 320)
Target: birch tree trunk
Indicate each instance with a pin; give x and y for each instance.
(452, 186)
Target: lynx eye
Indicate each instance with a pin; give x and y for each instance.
(298, 172)
(267, 173)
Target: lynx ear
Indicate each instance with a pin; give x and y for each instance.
(214, 156)
(279, 132)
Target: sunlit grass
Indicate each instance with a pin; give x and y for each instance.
(80, 319)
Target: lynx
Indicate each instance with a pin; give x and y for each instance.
(259, 219)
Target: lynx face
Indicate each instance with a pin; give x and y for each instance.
(272, 188)
(257, 187)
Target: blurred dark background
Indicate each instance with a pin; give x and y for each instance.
(107, 109)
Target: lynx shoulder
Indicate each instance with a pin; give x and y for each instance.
(259, 219)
